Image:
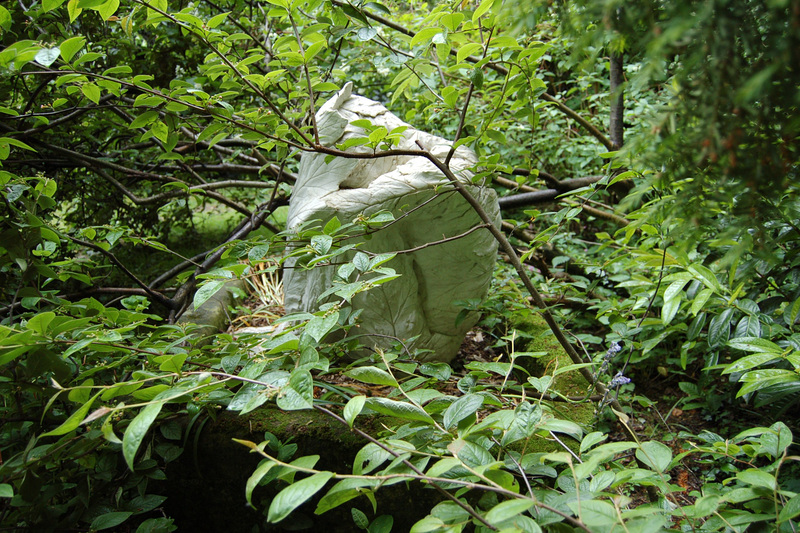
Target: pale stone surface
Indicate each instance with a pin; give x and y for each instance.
(420, 302)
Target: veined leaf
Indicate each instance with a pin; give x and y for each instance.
(755, 344)
(372, 375)
(461, 408)
(255, 478)
(402, 410)
(295, 495)
(137, 429)
(655, 455)
(508, 509)
(353, 408)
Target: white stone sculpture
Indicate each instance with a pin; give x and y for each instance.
(421, 302)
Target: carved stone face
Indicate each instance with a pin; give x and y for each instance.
(420, 302)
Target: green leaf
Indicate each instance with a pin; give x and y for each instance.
(6, 490)
(366, 34)
(331, 226)
(461, 408)
(791, 313)
(563, 426)
(359, 518)
(255, 478)
(109, 520)
(319, 326)
(482, 9)
(755, 344)
(49, 5)
(373, 375)
(172, 362)
(467, 50)
(790, 510)
(47, 56)
(137, 429)
(428, 524)
(719, 329)
(655, 455)
(5, 18)
(216, 20)
(298, 393)
(361, 261)
(295, 495)
(508, 509)
(382, 524)
(402, 410)
(423, 35)
(144, 119)
(208, 290)
(598, 515)
(342, 492)
(353, 408)
(451, 21)
(108, 8)
(442, 466)
(756, 477)
(751, 361)
(762, 378)
(473, 455)
(74, 420)
(321, 243)
(40, 322)
(91, 91)
(71, 46)
(591, 439)
(707, 277)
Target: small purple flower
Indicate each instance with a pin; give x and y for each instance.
(618, 380)
(614, 349)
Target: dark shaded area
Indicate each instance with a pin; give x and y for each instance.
(206, 486)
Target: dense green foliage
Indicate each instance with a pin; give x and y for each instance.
(147, 149)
